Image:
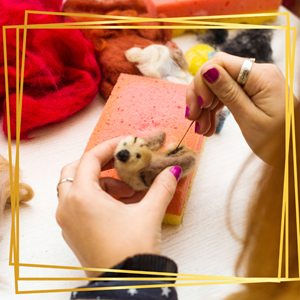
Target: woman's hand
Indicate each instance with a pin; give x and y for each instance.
(258, 106)
(101, 230)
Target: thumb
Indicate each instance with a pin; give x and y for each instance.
(228, 91)
(161, 192)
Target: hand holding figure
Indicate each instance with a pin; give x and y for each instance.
(101, 230)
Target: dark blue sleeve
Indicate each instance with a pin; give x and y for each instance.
(151, 263)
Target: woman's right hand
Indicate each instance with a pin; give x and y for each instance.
(258, 106)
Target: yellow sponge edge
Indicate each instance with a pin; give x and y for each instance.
(242, 20)
(174, 219)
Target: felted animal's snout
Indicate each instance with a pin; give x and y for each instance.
(123, 155)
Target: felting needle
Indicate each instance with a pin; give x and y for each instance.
(184, 135)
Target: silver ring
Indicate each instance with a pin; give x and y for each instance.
(245, 70)
(62, 181)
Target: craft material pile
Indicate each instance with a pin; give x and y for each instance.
(59, 79)
(112, 44)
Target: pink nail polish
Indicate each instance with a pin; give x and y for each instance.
(200, 101)
(176, 171)
(211, 75)
(187, 112)
(197, 127)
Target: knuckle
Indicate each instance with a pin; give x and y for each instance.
(218, 56)
(278, 76)
(60, 217)
(275, 69)
(228, 93)
(69, 169)
(86, 155)
(74, 198)
(72, 203)
(65, 169)
(271, 77)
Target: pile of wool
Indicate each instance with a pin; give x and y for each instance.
(112, 44)
(102, 7)
(158, 61)
(61, 72)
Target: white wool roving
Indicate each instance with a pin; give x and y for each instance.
(155, 61)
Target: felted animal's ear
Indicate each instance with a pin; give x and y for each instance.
(186, 161)
(148, 176)
(185, 157)
(156, 141)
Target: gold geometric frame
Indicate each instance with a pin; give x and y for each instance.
(192, 23)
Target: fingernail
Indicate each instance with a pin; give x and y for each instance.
(187, 112)
(200, 101)
(197, 127)
(176, 171)
(211, 75)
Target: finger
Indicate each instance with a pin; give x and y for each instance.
(257, 80)
(220, 75)
(67, 171)
(193, 106)
(89, 168)
(204, 122)
(214, 103)
(233, 64)
(213, 120)
(212, 128)
(161, 193)
(108, 166)
(137, 197)
(218, 108)
(116, 188)
(198, 96)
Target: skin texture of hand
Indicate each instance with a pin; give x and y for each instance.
(101, 230)
(258, 106)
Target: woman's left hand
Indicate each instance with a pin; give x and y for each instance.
(101, 230)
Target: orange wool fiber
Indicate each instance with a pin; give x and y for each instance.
(103, 6)
(185, 8)
(141, 106)
(111, 44)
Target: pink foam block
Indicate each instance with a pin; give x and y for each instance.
(184, 8)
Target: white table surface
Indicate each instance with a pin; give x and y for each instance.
(202, 244)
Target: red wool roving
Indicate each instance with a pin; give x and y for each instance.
(61, 72)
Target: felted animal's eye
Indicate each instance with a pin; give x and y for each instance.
(138, 155)
(124, 144)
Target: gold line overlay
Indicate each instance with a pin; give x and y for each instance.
(193, 23)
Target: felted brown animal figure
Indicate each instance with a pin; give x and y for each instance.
(138, 161)
(25, 191)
